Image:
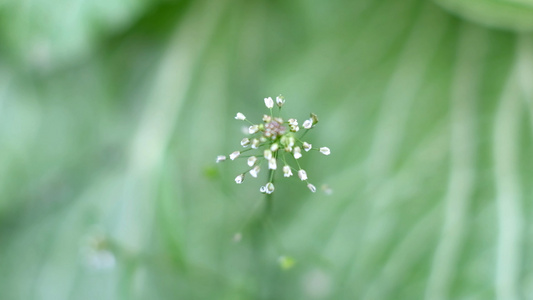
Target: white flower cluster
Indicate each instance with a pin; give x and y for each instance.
(276, 142)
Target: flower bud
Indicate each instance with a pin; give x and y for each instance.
(255, 143)
(307, 146)
(302, 174)
(287, 171)
(267, 154)
(234, 155)
(245, 142)
(311, 187)
(255, 171)
(272, 164)
(280, 100)
(269, 188)
(240, 116)
(239, 178)
(253, 129)
(308, 124)
(297, 152)
(293, 122)
(269, 102)
(325, 150)
(221, 158)
(314, 118)
(267, 118)
(251, 160)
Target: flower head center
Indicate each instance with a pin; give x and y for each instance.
(273, 129)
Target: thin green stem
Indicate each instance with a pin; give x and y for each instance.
(249, 121)
(298, 163)
(301, 137)
(271, 172)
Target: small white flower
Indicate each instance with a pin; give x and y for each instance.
(308, 124)
(267, 154)
(269, 102)
(280, 101)
(325, 150)
(239, 178)
(234, 155)
(221, 158)
(251, 160)
(311, 187)
(272, 164)
(291, 141)
(255, 171)
(274, 147)
(307, 146)
(297, 152)
(294, 128)
(302, 174)
(240, 116)
(287, 171)
(262, 139)
(245, 142)
(269, 188)
(253, 129)
(255, 143)
(267, 118)
(293, 122)
(263, 189)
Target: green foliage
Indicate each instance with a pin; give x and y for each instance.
(112, 114)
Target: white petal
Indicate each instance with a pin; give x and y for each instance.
(251, 160)
(263, 189)
(302, 174)
(287, 171)
(311, 187)
(269, 188)
(255, 143)
(255, 171)
(239, 179)
(297, 152)
(325, 150)
(245, 142)
(240, 116)
(280, 101)
(272, 164)
(308, 124)
(274, 147)
(234, 155)
(269, 102)
(267, 154)
(291, 141)
(221, 158)
(307, 146)
(253, 129)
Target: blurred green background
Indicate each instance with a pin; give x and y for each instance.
(112, 113)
